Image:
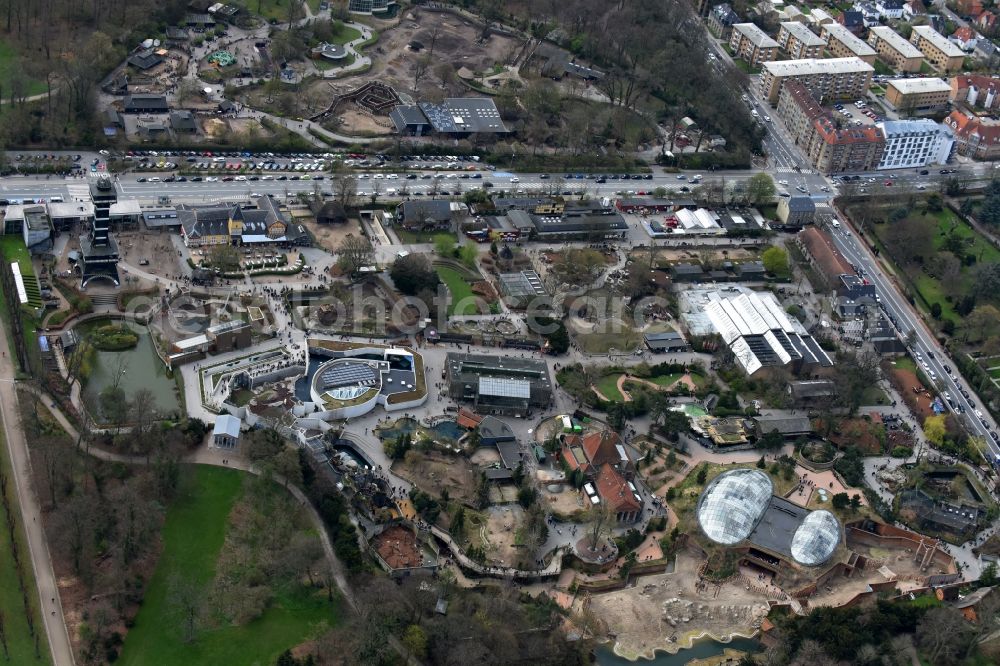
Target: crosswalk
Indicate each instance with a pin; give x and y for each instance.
(78, 191)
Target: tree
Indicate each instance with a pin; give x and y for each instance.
(855, 502)
(935, 430)
(943, 633)
(345, 188)
(841, 501)
(415, 641)
(775, 261)
(114, 405)
(771, 441)
(413, 273)
(354, 252)
(760, 189)
(226, 258)
(988, 576)
(702, 475)
(444, 245)
(599, 519)
(184, 596)
(936, 310)
(287, 465)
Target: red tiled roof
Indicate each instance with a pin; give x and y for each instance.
(468, 419)
(614, 490)
(964, 34)
(966, 126)
(828, 131)
(600, 447)
(823, 252)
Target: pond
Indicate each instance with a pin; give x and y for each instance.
(701, 649)
(398, 428)
(448, 429)
(142, 369)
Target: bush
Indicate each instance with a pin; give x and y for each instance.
(113, 337)
(901, 452)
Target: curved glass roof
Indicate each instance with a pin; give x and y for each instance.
(732, 503)
(816, 538)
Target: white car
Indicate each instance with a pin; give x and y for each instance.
(378, 176)
(240, 179)
(515, 179)
(782, 182)
(212, 179)
(392, 176)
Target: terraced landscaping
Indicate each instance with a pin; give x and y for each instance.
(14, 250)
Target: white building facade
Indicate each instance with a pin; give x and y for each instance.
(915, 143)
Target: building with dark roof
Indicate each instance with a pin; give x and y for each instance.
(183, 121)
(144, 59)
(331, 212)
(457, 116)
(499, 384)
(239, 224)
(98, 248)
(796, 212)
(809, 390)
(784, 423)
(667, 342)
(425, 214)
(145, 103)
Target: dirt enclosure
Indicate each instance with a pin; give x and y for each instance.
(433, 472)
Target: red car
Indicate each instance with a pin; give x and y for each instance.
(888, 183)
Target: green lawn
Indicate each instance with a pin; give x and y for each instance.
(905, 363)
(407, 237)
(994, 373)
(608, 386)
(666, 380)
(883, 69)
(275, 9)
(20, 645)
(460, 290)
(347, 34)
(9, 65)
(193, 535)
(324, 64)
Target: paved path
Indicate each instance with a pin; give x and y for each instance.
(41, 561)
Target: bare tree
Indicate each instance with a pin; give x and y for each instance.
(600, 519)
(354, 252)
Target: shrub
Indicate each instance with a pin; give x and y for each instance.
(901, 452)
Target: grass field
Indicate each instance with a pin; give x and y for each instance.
(9, 65)
(347, 34)
(274, 9)
(930, 288)
(193, 534)
(608, 386)
(460, 290)
(20, 645)
(408, 237)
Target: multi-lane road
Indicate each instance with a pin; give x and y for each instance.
(925, 344)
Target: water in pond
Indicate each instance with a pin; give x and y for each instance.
(143, 370)
(700, 650)
(448, 429)
(302, 383)
(398, 428)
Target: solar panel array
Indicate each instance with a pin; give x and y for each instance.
(504, 387)
(349, 374)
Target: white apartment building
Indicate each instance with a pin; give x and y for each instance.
(911, 144)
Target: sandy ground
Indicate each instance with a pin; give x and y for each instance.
(500, 531)
(432, 472)
(330, 236)
(565, 503)
(668, 606)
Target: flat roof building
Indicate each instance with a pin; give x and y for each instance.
(752, 44)
(914, 143)
(917, 96)
(842, 43)
(893, 48)
(798, 41)
(499, 384)
(826, 79)
(943, 54)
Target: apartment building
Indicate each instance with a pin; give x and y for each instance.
(975, 91)
(943, 54)
(914, 143)
(826, 79)
(835, 150)
(752, 45)
(798, 41)
(898, 53)
(911, 97)
(721, 19)
(842, 43)
(978, 138)
(830, 148)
